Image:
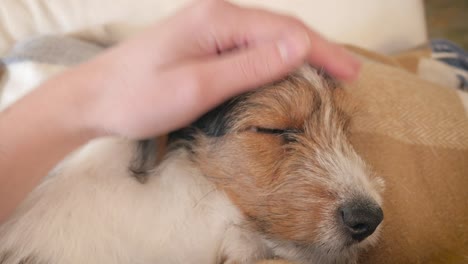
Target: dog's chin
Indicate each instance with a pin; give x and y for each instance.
(338, 251)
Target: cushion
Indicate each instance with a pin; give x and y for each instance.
(384, 26)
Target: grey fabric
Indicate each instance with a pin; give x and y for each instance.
(56, 50)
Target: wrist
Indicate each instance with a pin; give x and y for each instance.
(39, 130)
(67, 100)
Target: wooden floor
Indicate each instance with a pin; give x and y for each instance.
(448, 19)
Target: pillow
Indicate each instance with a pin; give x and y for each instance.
(384, 26)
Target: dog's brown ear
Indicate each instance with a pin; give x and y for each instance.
(148, 155)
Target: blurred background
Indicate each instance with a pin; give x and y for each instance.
(448, 19)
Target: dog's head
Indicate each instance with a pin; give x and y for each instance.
(282, 156)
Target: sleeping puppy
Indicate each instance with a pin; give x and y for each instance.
(269, 174)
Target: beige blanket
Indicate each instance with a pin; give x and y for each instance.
(415, 135)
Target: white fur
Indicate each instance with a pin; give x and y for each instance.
(100, 214)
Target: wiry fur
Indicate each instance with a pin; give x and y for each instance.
(261, 178)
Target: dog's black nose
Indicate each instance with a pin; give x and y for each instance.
(361, 219)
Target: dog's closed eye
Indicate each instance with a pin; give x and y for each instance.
(288, 134)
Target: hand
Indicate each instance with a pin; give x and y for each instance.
(180, 68)
(154, 83)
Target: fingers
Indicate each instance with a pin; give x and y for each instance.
(208, 27)
(242, 70)
(228, 26)
(333, 58)
(192, 89)
(260, 25)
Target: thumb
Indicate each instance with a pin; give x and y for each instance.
(246, 69)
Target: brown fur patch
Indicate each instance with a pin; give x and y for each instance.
(278, 182)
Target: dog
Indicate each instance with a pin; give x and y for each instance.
(269, 174)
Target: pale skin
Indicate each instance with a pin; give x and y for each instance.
(156, 82)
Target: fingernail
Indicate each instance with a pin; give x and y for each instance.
(294, 46)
